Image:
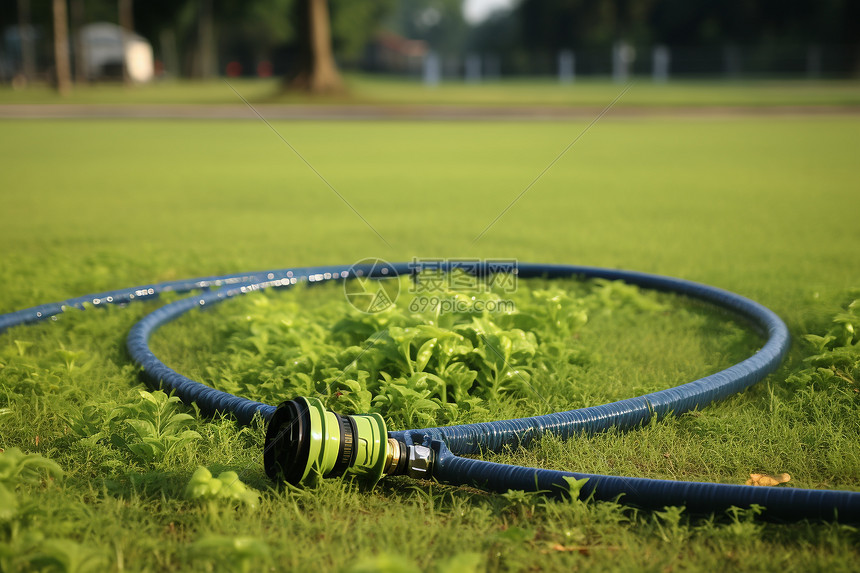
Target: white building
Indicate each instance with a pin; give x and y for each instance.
(104, 46)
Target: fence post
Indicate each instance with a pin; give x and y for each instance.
(661, 60)
(431, 72)
(623, 55)
(566, 67)
(473, 68)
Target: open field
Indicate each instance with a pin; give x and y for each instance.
(398, 92)
(764, 207)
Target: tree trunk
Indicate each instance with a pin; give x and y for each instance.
(319, 74)
(61, 47)
(126, 22)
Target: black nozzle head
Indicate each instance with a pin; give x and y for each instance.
(305, 441)
(288, 440)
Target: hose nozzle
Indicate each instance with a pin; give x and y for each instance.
(305, 441)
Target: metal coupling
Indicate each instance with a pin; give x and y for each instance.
(419, 463)
(395, 460)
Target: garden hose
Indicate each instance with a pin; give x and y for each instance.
(304, 441)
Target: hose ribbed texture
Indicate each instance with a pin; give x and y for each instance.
(784, 503)
(450, 441)
(209, 400)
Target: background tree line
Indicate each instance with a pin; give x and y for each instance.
(542, 27)
(196, 38)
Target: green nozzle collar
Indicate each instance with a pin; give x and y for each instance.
(305, 441)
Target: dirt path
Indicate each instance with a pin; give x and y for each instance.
(399, 112)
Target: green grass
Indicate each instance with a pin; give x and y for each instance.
(763, 207)
(380, 90)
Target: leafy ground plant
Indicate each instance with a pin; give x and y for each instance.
(19, 468)
(152, 428)
(415, 368)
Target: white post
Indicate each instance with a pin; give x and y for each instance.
(660, 64)
(623, 55)
(473, 68)
(566, 67)
(432, 69)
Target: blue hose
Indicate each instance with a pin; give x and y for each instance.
(451, 441)
(781, 503)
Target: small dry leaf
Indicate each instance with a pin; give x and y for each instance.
(767, 479)
(582, 550)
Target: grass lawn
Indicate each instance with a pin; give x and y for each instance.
(764, 207)
(380, 90)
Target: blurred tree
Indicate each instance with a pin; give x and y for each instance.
(565, 24)
(546, 26)
(280, 30)
(499, 33)
(257, 26)
(355, 23)
(62, 69)
(318, 34)
(439, 23)
(317, 72)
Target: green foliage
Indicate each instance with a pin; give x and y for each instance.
(669, 526)
(354, 23)
(20, 546)
(383, 563)
(239, 553)
(522, 504)
(66, 556)
(743, 525)
(226, 486)
(465, 562)
(152, 428)
(439, 23)
(836, 354)
(415, 365)
(574, 486)
(17, 468)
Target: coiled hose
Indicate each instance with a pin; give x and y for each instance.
(448, 443)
